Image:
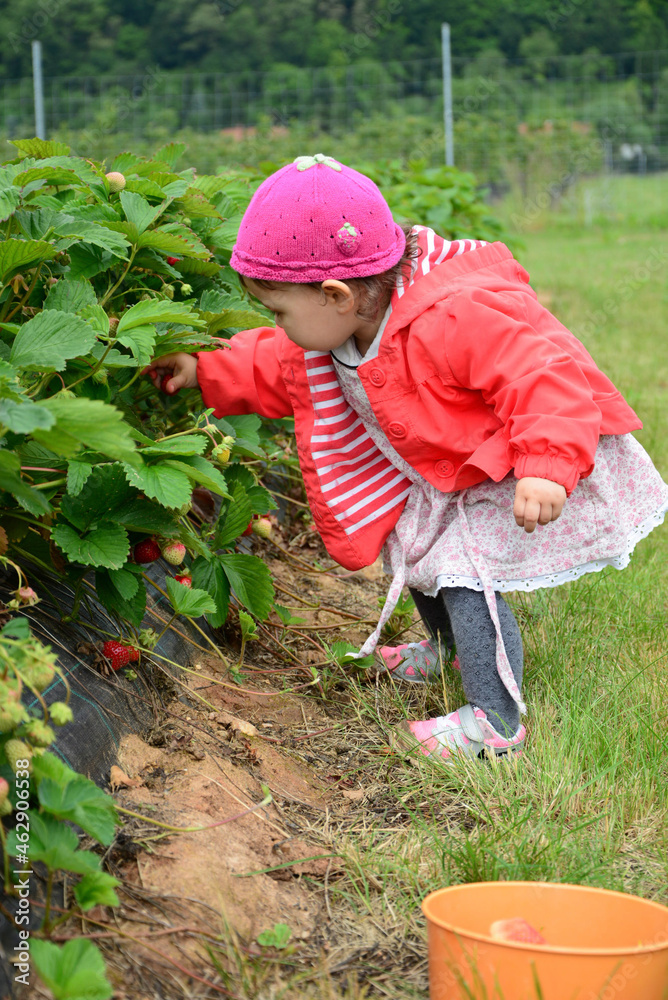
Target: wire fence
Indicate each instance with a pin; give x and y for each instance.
(621, 100)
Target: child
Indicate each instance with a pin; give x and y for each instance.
(439, 410)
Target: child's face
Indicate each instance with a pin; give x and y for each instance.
(315, 319)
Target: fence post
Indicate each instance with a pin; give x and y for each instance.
(38, 88)
(447, 94)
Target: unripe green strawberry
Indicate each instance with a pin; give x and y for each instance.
(174, 553)
(60, 713)
(169, 291)
(5, 808)
(4, 790)
(186, 289)
(262, 527)
(101, 376)
(40, 676)
(116, 181)
(221, 454)
(11, 716)
(39, 734)
(16, 750)
(39, 667)
(10, 691)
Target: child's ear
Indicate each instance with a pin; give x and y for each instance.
(339, 294)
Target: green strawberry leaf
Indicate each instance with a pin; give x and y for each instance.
(130, 609)
(96, 888)
(200, 471)
(10, 199)
(107, 545)
(189, 601)
(15, 255)
(89, 422)
(74, 972)
(83, 803)
(46, 342)
(55, 845)
(32, 500)
(158, 311)
(40, 149)
(142, 514)
(251, 582)
(141, 341)
(138, 211)
(105, 492)
(77, 474)
(187, 444)
(24, 417)
(234, 517)
(103, 236)
(261, 499)
(125, 583)
(86, 260)
(70, 296)
(168, 485)
(209, 575)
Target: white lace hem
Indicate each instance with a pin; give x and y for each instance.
(620, 561)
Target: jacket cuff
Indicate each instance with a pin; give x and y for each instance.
(553, 467)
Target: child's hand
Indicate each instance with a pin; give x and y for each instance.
(537, 501)
(173, 372)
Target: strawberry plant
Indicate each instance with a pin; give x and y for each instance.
(99, 273)
(45, 797)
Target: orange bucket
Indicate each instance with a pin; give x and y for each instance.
(602, 945)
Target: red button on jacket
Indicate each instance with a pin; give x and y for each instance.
(396, 429)
(377, 376)
(444, 469)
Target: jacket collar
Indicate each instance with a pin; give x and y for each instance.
(441, 281)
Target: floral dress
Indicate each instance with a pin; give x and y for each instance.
(469, 538)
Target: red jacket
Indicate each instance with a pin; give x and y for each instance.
(473, 379)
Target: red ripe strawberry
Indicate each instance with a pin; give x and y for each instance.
(134, 654)
(117, 653)
(146, 551)
(173, 260)
(174, 553)
(248, 530)
(183, 578)
(516, 929)
(166, 379)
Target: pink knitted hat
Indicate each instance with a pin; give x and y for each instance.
(316, 219)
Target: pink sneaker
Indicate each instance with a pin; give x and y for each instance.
(415, 662)
(466, 731)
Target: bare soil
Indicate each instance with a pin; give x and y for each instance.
(194, 903)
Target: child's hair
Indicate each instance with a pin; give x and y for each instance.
(376, 288)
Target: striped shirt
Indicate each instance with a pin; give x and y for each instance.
(359, 484)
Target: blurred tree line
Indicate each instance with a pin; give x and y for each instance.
(88, 37)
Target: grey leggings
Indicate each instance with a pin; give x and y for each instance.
(462, 619)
